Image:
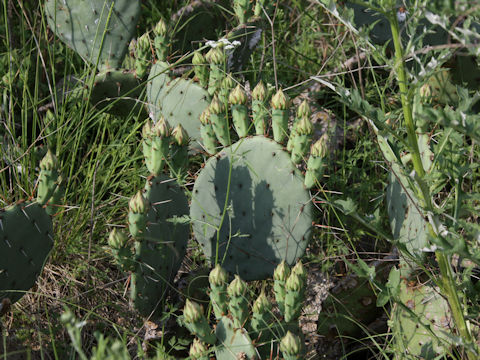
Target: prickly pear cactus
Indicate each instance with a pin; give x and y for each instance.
(120, 87)
(95, 29)
(423, 330)
(233, 341)
(230, 337)
(179, 101)
(408, 225)
(26, 238)
(268, 212)
(163, 245)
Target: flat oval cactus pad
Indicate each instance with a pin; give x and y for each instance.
(268, 216)
(26, 238)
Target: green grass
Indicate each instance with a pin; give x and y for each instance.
(101, 160)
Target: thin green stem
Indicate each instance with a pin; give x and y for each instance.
(447, 281)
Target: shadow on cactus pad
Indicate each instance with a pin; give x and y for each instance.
(268, 212)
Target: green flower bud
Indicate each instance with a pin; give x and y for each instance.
(237, 287)
(117, 239)
(259, 92)
(237, 96)
(291, 344)
(198, 58)
(227, 82)
(147, 129)
(205, 116)
(304, 110)
(143, 43)
(218, 276)
(49, 161)
(216, 106)
(161, 128)
(138, 204)
(299, 269)
(261, 305)
(282, 271)
(180, 135)
(160, 28)
(304, 127)
(198, 349)
(319, 149)
(294, 282)
(215, 55)
(279, 101)
(192, 312)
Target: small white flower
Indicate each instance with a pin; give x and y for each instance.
(224, 41)
(228, 47)
(432, 248)
(211, 43)
(236, 43)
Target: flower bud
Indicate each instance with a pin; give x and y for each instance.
(138, 204)
(192, 312)
(215, 56)
(49, 161)
(227, 82)
(294, 282)
(237, 287)
(205, 116)
(147, 129)
(161, 28)
(290, 344)
(216, 106)
(180, 135)
(237, 96)
(319, 149)
(261, 305)
(161, 128)
(304, 126)
(304, 110)
(218, 276)
(117, 239)
(259, 92)
(281, 271)
(143, 44)
(198, 58)
(299, 269)
(279, 101)
(198, 349)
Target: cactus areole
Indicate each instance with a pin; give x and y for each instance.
(268, 212)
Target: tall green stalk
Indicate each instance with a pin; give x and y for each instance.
(447, 281)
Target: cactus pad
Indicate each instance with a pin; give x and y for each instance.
(268, 214)
(429, 309)
(120, 88)
(180, 101)
(162, 248)
(409, 227)
(92, 31)
(26, 238)
(234, 343)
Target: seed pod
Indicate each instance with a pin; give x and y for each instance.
(279, 116)
(291, 346)
(316, 162)
(280, 276)
(137, 215)
(200, 67)
(219, 120)
(207, 133)
(259, 108)
(197, 323)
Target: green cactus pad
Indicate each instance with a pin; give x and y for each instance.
(409, 227)
(428, 308)
(118, 88)
(26, 238)
(269, 212)
(162, 248)
(89, 28)
(180, 101)
(233, 343)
